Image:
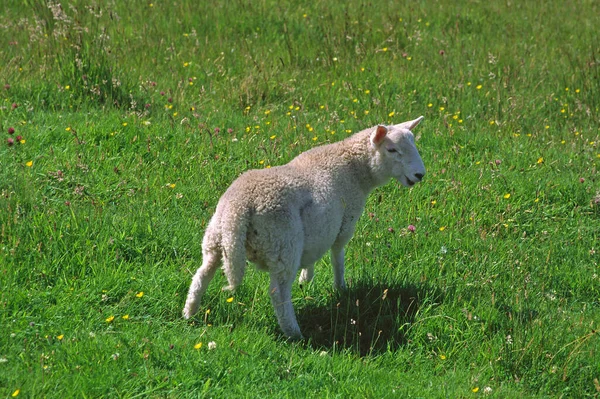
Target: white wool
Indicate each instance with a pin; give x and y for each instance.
(287, 217)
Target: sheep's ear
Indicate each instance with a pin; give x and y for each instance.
(378, 135)
(410, 125)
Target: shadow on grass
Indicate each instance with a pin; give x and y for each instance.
(366, 318)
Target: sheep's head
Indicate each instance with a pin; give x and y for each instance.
(397, 155)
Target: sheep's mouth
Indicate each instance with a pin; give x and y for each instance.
(410, 182)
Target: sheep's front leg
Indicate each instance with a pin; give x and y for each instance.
(337, 260)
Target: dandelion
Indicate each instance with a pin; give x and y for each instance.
(391, 114)
(21, 140)
(60, 337)
(491, 123)
(67, 87)
(540, 160)
(442, 228)
(186, 64)
(110, 319)
(478, 87)
(442, 108)
(443, 357)
(547, 127)
(16, 393)
(315, 138)
(384, 49)
(367, 91)
(507, 196)
(433, 202)
(68, 129)
(577, 90)
(141, 293)
(267, 112)
(430, 105)
(475, 390)
(198, 345)
(125, 317)
(29, 164)
(230, 299)
(273, 137)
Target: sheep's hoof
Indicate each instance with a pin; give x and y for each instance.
(187, 313)
(295, 337)
(228, 288)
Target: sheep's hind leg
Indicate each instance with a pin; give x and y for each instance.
(280, 291)
(205, 273)
(307, 274)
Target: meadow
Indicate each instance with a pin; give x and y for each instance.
(122, 123)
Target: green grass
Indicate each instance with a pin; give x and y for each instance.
(135, 118)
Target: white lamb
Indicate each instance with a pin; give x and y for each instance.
(285, 218)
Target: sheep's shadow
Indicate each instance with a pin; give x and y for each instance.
(365, 318)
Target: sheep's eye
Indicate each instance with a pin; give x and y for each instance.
(392, 150)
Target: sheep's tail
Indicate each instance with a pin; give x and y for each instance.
(224, 242)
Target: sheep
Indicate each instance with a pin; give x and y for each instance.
(285, 218)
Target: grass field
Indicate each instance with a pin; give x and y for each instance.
(122, 123)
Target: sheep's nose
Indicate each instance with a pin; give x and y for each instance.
(419, 176)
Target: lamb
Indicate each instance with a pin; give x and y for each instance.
(285, 218)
